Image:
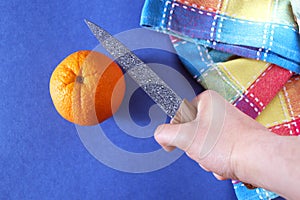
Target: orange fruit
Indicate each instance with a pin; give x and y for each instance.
(87, 87)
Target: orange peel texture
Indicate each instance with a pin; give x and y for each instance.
(87, 88)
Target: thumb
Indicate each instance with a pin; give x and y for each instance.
(170, 136)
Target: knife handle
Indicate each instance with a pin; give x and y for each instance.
(186, 113)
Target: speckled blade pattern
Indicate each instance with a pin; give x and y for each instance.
(143, 75)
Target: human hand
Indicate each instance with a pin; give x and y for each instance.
(216, 138)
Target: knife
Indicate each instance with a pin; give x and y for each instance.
(180, 110)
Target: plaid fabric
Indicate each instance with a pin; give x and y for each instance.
(255, 87)
(236, 48)
(282, 115)
(262, 30)
(248, 84)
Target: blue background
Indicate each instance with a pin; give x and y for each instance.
(41, 155)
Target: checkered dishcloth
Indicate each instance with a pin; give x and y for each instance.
(248, 51)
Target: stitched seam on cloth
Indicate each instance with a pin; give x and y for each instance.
(197, 6)
(163, 21)
(297, 129)
(287, 125)
(209, 14)
(271, 37)
(277, 123)
(219, 28)
(266, 27)
(288, 100)
(292, 80)
(180, 43)
(213, 25)
(259, 78)
(254, 84)
(208, 61)
(282, 103)
(263, 192)
(255, 77)
(232, 77)
(257, 100)
(235, 20)
(200, 7)
(289, 106)
(255, 108)
(174, 41)
(208, 56)
(224, 78)
(267, 194)
(241, 21)
(264, 42)
(241, 97)
(257, 190)
(286, 115)
(171, 14)
(258, 53)
(212, 30)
